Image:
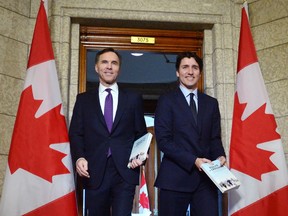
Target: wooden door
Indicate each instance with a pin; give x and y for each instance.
(166, 42)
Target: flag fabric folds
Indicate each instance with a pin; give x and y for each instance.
(144, 205)
(39, 177)
(256, 153)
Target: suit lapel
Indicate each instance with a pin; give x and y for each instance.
(122, 100)
(201, 110)
(98, 108)
(183, 105)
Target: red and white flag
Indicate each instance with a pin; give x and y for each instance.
(39, 177)
(256, 153)
(144, 206)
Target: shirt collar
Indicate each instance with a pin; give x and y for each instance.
(187, 92)
(102, 88)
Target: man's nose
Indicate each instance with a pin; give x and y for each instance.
(109, 65)
(190, 70)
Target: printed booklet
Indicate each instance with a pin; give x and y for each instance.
(140, 148)
(222, 177)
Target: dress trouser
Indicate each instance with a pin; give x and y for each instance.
(113, 197)
(203, 201)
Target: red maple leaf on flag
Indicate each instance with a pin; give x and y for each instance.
(258, 128)
(32, 136)
(143, 200)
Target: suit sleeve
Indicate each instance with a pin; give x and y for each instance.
(216, 147)
(140, 125)
(76, 132)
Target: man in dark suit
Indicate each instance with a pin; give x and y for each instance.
(101, 146)
(188, 133)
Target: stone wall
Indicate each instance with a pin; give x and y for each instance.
(15, 37)
(269, 22)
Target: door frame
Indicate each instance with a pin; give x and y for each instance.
(166, 41)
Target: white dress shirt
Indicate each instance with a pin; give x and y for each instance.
(186, 92)
(103, 94)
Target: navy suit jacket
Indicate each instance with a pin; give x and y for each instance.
(90, 138)
(182, 141)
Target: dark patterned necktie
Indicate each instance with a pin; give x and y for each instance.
(193, 107)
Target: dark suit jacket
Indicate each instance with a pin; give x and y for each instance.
(90, 138)
(182, 141)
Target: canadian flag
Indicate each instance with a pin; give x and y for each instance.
(256, 152)
(39, 177)
(144, 206)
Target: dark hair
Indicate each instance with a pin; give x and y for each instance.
(98, 54)
(188, 55)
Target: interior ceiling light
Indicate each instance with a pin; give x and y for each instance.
(137, 54)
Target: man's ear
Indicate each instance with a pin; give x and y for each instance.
(177, 73)
(96, 68)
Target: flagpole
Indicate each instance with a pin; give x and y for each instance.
(84, 202)
(245, 5)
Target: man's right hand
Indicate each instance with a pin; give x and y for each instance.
(82, 167)
(200, 161)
